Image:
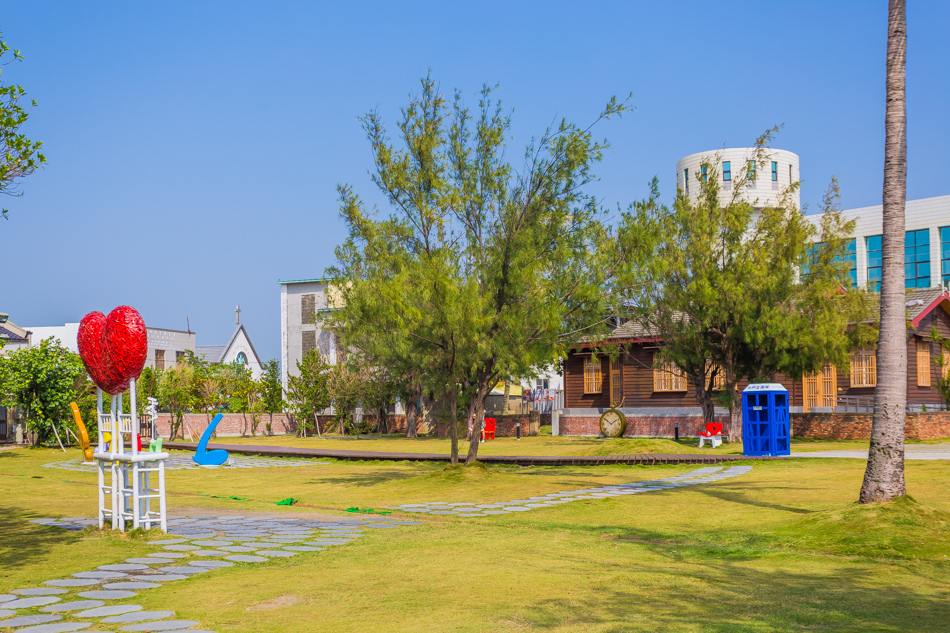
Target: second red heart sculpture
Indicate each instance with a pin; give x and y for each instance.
(113, 348)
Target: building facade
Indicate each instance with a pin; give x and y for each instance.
(654, 395)
(926, 243)
(238, 349)
(302, 302)
(759, 182)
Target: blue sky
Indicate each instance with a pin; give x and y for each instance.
(194, 147)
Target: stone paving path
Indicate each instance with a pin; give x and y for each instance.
(88, 601)
(202, 544)
(699, 476)
(185, 462)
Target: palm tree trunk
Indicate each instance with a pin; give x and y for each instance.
(884, 477)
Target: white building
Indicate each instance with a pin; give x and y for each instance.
(926, 243)
(302, 302)
(762, 182)
(238, 349)
(165, 347)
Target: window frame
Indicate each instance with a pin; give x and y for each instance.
(863, 368)
(593, 375)
(727, 171)
(914, 255)
(667, 377)
(686, 179)
(159, 359)
(774, 171)
(924, 368)
(875, 281)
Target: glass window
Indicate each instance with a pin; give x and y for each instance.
(917, 259)
(727, 170)
(750, 169)
(945, 255)
(852, 256)
(774, 171)
(790, 179)
(704, 174)
(159, 359)
(873, 244)
(686, 180)
(668, 377)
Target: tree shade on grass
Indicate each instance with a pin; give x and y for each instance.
(780, 548)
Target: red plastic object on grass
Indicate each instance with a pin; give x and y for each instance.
(488, 431)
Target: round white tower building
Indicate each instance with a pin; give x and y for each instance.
(762, 181)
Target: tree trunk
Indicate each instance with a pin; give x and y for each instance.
(452, 404)
(735, 413)
(884, 477)
(504, 403)
(412, 421)
(478, 406)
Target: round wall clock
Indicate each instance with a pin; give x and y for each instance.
(613, 423)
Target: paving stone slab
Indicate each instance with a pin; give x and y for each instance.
(157, 577)
(165, 625)
(122, 567)
(150, 561)
(5, 613)
(274, 553)
(75, 605)
(6, 597)
(211, 543)
(236, 549)
(24, 620)
(25, 603)
(183, 569)
(169, 541)
(210, 564)
(71, 582)
(180, 548)
(139, 616)
(244, 558)
(209, 552)
(102, 575)
(107, 594)
(39, 591)
(131, 585)
(102, 612)
(62, 627)
(167, 555)
(303, 548)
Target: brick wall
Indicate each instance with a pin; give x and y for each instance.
(639, 426)
(231, 425)
(857, 426)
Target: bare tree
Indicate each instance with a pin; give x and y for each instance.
(884, 477)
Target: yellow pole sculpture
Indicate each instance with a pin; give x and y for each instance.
(83, 435)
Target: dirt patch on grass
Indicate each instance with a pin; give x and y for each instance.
(276, 603)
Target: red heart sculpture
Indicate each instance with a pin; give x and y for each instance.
(113, 348)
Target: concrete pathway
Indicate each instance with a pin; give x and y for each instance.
(692, 478)
(911, 451)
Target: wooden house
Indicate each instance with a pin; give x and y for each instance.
(655, 396)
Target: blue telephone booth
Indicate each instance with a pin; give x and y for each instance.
(765, 420)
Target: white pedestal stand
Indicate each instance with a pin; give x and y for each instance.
(127, 498)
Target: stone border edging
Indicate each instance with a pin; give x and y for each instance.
(650, 459)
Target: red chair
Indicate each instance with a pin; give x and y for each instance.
(488, 429)
(713, 434)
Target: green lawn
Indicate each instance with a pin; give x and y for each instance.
(781, 548)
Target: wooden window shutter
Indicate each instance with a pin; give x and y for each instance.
(308, 342)
(863, 368)
(616, 383)
(308, 305)
(592, 376)
(923, 363)
(668, 377)
(821, 389)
